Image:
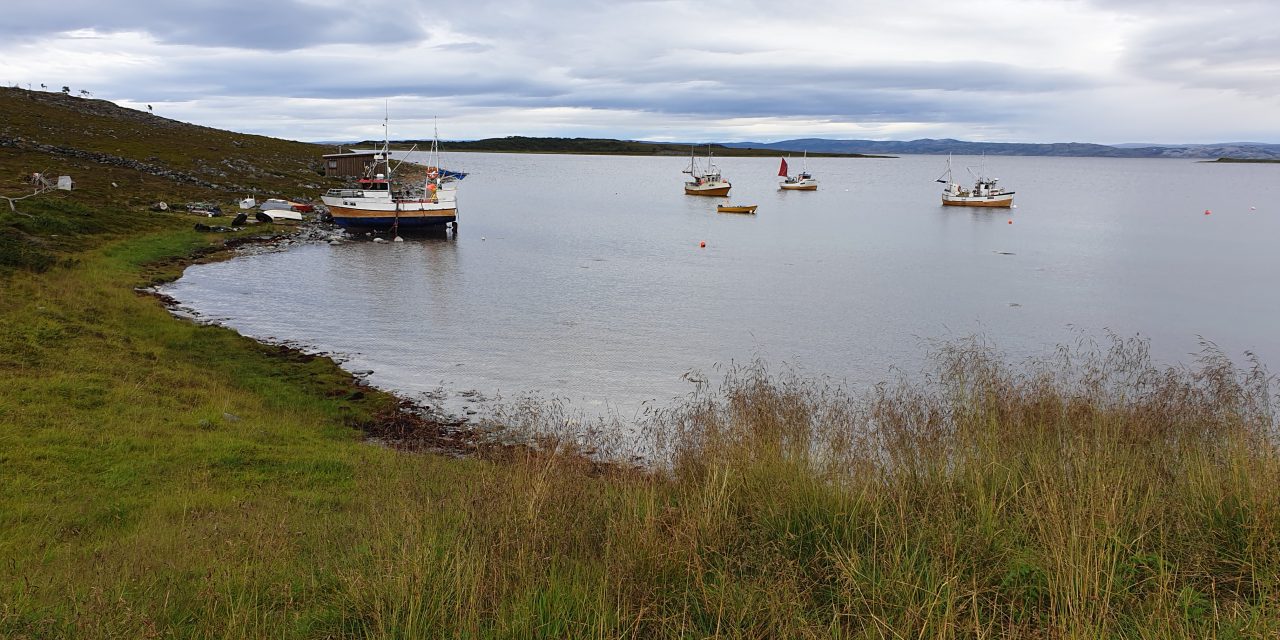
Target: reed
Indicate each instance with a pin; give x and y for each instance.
(1088, 494)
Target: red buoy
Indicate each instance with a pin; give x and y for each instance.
(703, 244)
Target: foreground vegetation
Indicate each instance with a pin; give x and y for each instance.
(164, 479)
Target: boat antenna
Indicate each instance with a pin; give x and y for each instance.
(435, 142)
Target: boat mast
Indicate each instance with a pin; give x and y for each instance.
(946, 173)
(386, 140)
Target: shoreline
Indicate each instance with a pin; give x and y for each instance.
(408, 426)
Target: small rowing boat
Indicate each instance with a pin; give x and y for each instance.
(736, 208)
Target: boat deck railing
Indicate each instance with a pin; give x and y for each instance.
(345, 193)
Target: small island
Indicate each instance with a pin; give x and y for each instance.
(1249, 160)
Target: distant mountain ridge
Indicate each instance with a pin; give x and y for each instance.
(1250, 151)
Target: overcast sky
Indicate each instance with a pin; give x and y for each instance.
(998, 70)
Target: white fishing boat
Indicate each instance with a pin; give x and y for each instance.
(378, 202)
(705, 182)
(985, 191)
(803, 181)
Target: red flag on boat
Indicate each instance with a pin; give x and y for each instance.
(782, 171)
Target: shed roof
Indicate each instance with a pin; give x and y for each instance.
(351, 154)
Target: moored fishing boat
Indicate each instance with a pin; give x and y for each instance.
(377, 202)
(705, 182)
(985, 191)
(803, 181)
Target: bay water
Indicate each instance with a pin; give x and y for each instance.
(585, 278)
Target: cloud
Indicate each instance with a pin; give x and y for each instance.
(1236, 49)
(270, 26)
(324, 69)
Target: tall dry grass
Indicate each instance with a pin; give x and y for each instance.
(1087, 494)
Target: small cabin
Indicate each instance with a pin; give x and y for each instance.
(353, 164)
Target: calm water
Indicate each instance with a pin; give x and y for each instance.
(582, 277)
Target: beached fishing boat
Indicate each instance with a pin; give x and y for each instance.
(736, 208)
(803, 181)
(378, 202)
(985, 191)
(705, 182)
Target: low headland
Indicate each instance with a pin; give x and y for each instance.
(607, 146)
(1250, 160)
(163, 478)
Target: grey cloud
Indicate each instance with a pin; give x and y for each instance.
(1221, 50)
(272, 26)
(650, 60)
(943, 76)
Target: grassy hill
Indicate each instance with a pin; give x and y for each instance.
(149, 158)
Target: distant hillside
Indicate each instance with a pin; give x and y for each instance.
(602, 146)
(131, 158)
(1073, 149)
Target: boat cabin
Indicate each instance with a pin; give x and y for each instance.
(375, 184)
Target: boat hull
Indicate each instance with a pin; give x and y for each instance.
(1004, 201)
(348, 217)
(383, 212)
(812, 186)
(736, 209)
(279, 216)
(721, 190)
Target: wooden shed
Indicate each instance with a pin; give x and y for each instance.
(354, 164)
